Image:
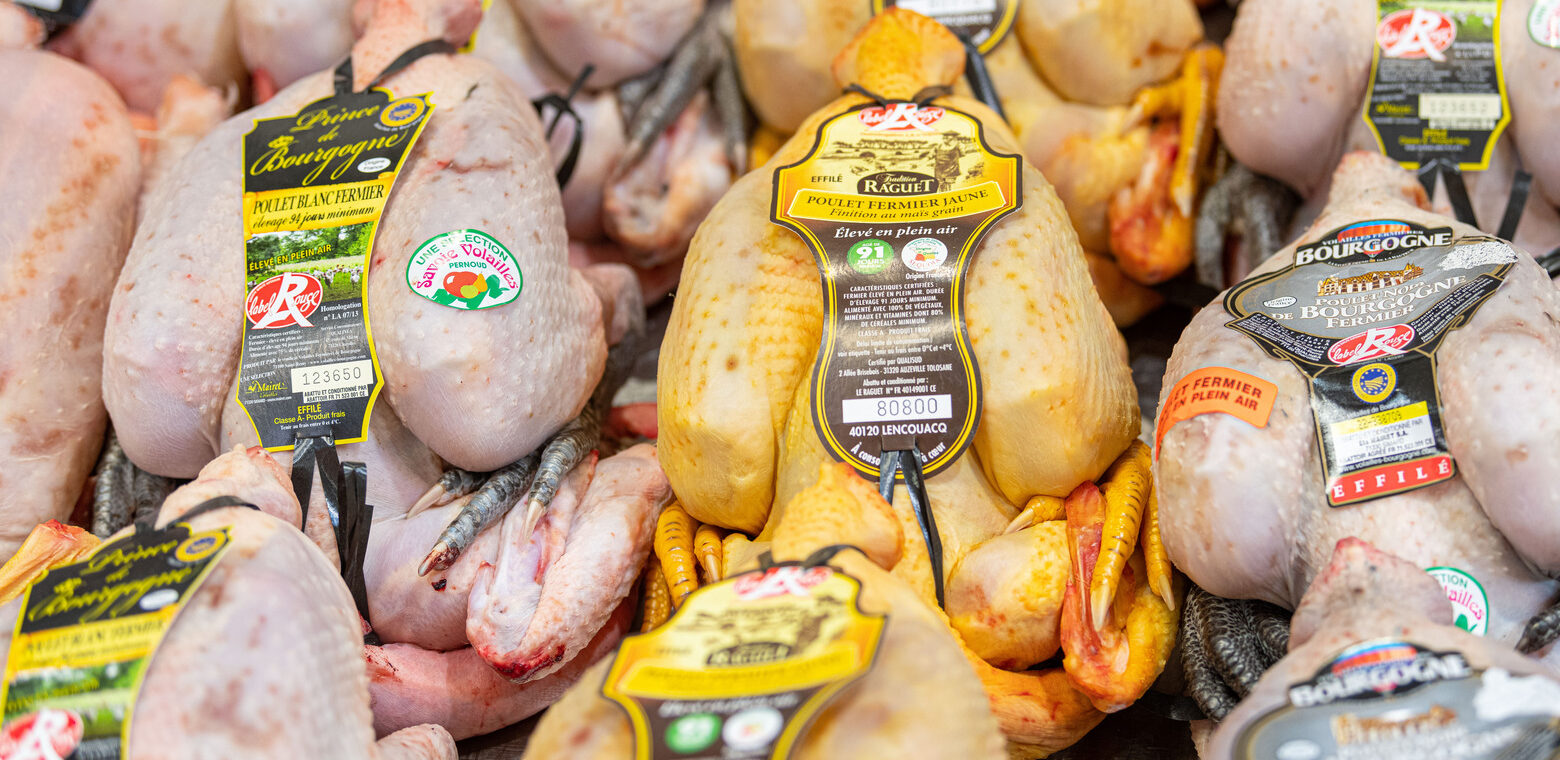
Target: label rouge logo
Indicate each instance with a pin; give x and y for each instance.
(43, 735)
(1416, 33)
(1371, 344)
(901, 117)
(786, 579)
(286, 299)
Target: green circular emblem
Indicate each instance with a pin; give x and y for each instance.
(1470, 603)
(692, 733)
(465, 269)
(870, 256)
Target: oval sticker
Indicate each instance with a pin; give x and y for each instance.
(372, 165)
(464, 269)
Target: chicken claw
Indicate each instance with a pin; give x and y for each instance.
(492, 501)
(1246, 204)
(452, 485)
(1113, 665)
(1229, 644)
(1039, 509)
(698, 58)
(1125, 488)
(123, 492)
(1541, 631)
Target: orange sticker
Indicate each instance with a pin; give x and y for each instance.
(1217, 389)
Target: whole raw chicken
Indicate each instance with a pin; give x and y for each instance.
(1293, 97)
(473, 390)
(919, 700)
(736, 435)
(1367, 596)
(72, 174)
(1244, 509)
(265, 660)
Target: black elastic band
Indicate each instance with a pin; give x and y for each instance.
(309, 450)
(343, 76)
(823, 555)
(1521, 184)
(565, 107)
(1456, 192)
(908, 462)
(1551, 262)
(922, 97)
(357, 520)
(214, 503)
(979, 77)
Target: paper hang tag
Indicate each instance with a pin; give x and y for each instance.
(744, 665)
(86, 634)
(315, 185)
(893, 200)
(1361, 313)
(984, 23)
(1436, 88)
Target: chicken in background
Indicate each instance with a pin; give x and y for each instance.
(73, 174)
(1127, 145)
(1292, 105)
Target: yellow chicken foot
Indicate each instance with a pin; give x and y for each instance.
(1126, 488)
(762, 146)
(1039, 509)
(1114, 664)
(1161, 576)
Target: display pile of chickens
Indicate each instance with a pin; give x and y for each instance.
(1293, 97)
(470, 389)
(737, 440)
(1244, 508)
(1111, 100)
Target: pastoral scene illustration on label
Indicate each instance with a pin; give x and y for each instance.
(464, 269)
(315, 185)
(85, 635)
(744, 665)
(1361, 313)
(1393, 699)
(984, 23)
(893, 200)
(1436, 89)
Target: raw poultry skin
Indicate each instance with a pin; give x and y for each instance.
(139, 46)
(736, 435)
(174, 330)
(920, 699)
(282, 41)
(1101, 51)
(621, 39)
(1363, 594)
(1243, 509)
(476, 389)
(1294, 87)
(265, 661)
(73, 171)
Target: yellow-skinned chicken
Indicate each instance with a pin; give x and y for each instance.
(1110, 99)
(738, 441)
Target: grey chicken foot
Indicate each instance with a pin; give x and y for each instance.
(536, 476)
(1244, 204)
(1541, 631)
(1226, 646)
(123, 492)
(652, 102)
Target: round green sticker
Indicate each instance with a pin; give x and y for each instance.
(464, 269)
(870, 256)
(692, 733)
(1470, 605)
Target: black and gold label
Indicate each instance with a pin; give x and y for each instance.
(315, 184)
(985, 23)
(744, 665)
(85, 635)
(1393, 699)
(893, 200)
(1436, 89)
(1362, 313)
